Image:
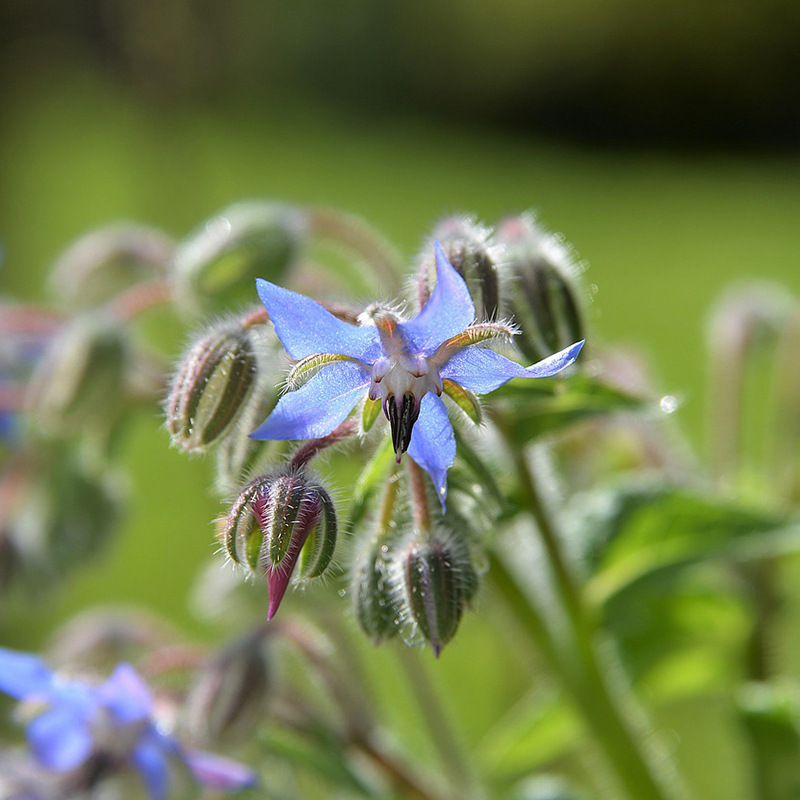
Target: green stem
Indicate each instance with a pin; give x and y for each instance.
(444, 738)
(575, 656)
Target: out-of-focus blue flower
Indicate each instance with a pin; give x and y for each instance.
(403, 363)
(74, 721)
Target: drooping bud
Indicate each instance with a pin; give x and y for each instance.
(218, 263)
(277, 523)
(544, 297)
(213, 387)
(470, 249)
(439, 581)
(106, 261)
(230, 692)
(80, 378)
(376, 593)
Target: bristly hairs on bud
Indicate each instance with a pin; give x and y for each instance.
(471, 249)
(219, 377)
(544, 294)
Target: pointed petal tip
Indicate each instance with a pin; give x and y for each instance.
(437, 649)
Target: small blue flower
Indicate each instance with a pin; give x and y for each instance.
(74, 720)
(402, 363)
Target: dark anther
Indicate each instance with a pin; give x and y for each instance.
(402, 420)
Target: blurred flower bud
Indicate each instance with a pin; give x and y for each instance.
(469, 248)
(55, 513)
(80, 378)
(376, 595)
(544, 298)
(106, 261)
(229, 695)
(101, 637)
(280, 522)
(439, 581)
(213, 387)
(218, 263)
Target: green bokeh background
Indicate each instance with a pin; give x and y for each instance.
(663, 226)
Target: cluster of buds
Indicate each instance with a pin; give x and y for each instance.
(418, 587)
(281, 524)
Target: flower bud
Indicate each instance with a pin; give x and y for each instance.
(219, 262)
(543, 295)
(106, 261)
(213, 387)
(469, 248)
(80, 378)
(376, 595)
(439, 581)
(229, 695)
(277, 523)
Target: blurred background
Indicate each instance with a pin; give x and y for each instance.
(660, 138)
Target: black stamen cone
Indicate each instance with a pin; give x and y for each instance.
(402, 421)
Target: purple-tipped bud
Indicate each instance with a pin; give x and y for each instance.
(107, 261)
(280, 522)
(376, 594)
(80, 378)
(219, 262)
(439, 581)
(212, 388)
(469, 248)
(544, 296)
(230, 693)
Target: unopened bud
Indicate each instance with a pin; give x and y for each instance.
(80, 378)
(229, 696)
(376, 593)
(213, 387)
(219, 263)
(543, 293)
(277, 523)
(439, 581)
(104, 262)
(469, 248)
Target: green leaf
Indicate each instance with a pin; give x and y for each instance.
(642, 531)
(531, 408)
(318, 752)
(535, 732)
(770, 715)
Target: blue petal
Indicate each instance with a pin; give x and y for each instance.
(23, 674)
(219, 773)
(482, 371)
(150, 759)
(316, 408)
(60, 739)
(449, 310)
(126, 695)
(306, 328)
(433, 444)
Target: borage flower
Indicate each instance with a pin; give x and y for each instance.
(111, 725)
(404, 364)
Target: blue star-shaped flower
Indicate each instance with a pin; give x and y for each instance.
(404, 364)
(77, 720)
